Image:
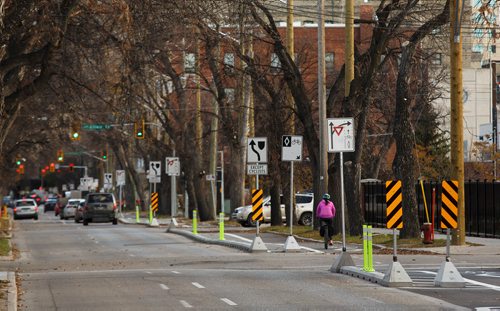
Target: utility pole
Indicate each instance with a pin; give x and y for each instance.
(323, 155)
(291, 52)
(456, 133)
(198, 124)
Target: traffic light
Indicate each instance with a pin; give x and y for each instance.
(71, 167)
(104, 155)
(52, 167)
(60, 155)
(75, 131)
(18, 161)
(21, 169)
(44, 171)
(139, 129)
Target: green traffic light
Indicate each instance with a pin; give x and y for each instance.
(139, 134)
(75, 135)
(18, 162)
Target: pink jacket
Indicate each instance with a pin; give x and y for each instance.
(325, 209)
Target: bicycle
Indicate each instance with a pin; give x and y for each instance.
(324, 228)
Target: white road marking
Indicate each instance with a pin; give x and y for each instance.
(185, 304)
(493, 287)
(149, 272)
(198, 285)
(176, 272)
(131, 255)
(165, 287)
(310, 249)
(239, 237)
(373, 299)
(96, 242)
(229, 302)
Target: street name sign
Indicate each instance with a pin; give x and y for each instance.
(96, 127)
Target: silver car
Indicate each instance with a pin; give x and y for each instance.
(69, 211)
(25, 208)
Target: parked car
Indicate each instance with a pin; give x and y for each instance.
(100, 207)
(303, 210)
(69, 210)
(25, 208)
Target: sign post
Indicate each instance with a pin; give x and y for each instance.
(256, 154)
(341, 139)
(154, 177)
(173, 169)
(291, 150)
(120, 182)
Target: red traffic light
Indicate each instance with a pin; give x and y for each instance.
(71, 167)
(52, 167)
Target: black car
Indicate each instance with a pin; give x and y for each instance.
(100, 207)
(50, 204)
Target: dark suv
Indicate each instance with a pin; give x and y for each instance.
(100, 207)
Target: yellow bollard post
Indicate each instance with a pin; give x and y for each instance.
(195, 222)
(137, 215)
(365, 248)
(370, 249)
(221, 226)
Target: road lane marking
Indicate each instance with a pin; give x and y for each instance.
(239, 237)
(131, 255)
(165, 287)
(198, 285)
(185, 304)
(149, 272)
(373, 299)
(493, 287)
(176, 272)
(229, 302)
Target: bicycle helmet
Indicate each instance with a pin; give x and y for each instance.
(326, 196)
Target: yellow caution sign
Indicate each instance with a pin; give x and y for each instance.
(449, 205)
(394, 199)
(154, 201)
(257, 209)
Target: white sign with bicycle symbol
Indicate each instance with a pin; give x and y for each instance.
(291, 148)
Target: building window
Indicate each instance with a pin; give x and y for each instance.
(275, 62)
(478, 48)
(330, 61)
(230, 96)
(190, 62)
(493, 48)
(229, 62)
(437, 59)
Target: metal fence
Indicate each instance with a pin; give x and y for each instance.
(482, 206)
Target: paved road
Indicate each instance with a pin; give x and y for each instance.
(66, 266)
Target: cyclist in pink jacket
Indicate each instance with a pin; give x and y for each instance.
(325, 212)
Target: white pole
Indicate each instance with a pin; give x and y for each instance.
(257, 187)
(291, 198)
(120, 195)
(222, 181)
(186, 201)
(173, 193)
(342, 199)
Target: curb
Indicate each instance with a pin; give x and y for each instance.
(12, 292)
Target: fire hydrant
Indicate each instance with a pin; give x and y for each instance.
(428, 233)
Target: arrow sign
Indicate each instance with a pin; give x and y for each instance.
(340, 134)
(154, 169)
(257, 150)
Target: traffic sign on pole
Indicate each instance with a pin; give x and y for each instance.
(291, 148)
(172, 166)
(340, 134)
(120, 178)
(154, 169)
(257, 150)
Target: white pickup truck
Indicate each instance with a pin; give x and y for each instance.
(303, 210)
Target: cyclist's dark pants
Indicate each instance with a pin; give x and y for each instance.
(329, 222)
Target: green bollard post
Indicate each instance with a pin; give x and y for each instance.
(195, 222)
(150, 214)
(365, 248)
(137, 215)
(221, 226)
(370, 250)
